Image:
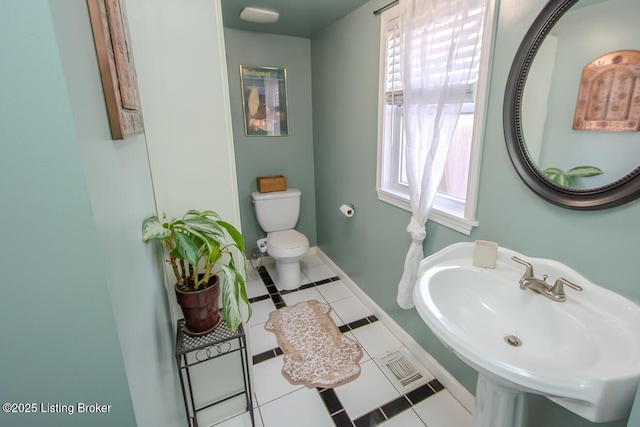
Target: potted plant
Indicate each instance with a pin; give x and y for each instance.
(205, 254)
(563, 178)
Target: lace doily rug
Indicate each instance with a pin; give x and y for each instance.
(316, 353)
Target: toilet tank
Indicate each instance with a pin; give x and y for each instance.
(278, 210)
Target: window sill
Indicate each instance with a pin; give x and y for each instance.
(442, 214)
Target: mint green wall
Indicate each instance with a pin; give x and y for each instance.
(291, 156)
(121, 194)
(634, 419)
(370, 247)
(58, 335)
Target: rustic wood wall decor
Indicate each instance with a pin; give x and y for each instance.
(609, 95)
(117, 70)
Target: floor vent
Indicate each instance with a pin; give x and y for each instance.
(405, 373)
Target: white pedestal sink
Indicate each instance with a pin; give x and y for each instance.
(583, 354)
(498, 405)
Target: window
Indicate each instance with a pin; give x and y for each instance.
(456, 200)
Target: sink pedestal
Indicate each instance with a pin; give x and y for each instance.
(498, 405)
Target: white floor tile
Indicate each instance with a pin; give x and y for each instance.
(350, 309)
(282, 404)
(334, 291)
(269, 384)
(318, 272)
(337, 320)
(256, 288)
(303, 295)
(310, 261)
(376, 339)
(261, 340)
(304, 407)
(252, 274)
(369, 391)
(406, 418)
(243, 420)
(442, 410)
(260, 311)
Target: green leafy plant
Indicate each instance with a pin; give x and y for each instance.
(566, 178)
(201, 245)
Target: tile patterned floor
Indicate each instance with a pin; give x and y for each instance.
(375, 398)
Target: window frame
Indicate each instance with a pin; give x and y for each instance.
(447, 211)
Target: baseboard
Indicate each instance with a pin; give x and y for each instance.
(456, 389)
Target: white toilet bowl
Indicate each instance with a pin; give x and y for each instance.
(286, 248)
(277, 213)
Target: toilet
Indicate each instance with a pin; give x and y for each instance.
(277, 213)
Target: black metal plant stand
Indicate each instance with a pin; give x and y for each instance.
(191, 351)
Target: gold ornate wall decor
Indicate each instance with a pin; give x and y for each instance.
(609, 95)
(117, 70)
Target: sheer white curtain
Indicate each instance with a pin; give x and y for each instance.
(436, 76)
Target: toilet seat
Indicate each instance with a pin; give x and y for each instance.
(287, 244)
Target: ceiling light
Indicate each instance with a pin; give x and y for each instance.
(259, 15)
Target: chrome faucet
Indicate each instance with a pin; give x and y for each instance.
(555, 292)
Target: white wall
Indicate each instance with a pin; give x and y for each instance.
(180, 60)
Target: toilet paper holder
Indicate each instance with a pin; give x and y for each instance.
(348, 210)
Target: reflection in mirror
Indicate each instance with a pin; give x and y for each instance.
(590, 29)
(576, 169)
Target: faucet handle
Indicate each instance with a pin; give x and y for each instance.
(529, 271)
(558, 288)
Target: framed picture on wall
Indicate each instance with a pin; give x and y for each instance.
(264, 101)
(117, 70)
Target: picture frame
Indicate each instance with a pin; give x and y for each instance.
(264, 101)
(609, 98)
(117, 69)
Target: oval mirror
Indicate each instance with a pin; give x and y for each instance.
(584, 168)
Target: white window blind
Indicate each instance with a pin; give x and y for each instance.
(393, 82)
(442, 33)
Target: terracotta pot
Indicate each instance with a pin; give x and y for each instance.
(201, 309)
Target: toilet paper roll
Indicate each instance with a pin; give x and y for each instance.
(347, 210)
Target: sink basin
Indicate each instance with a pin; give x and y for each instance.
(584, 353)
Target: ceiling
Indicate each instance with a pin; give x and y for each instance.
(299, 18)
